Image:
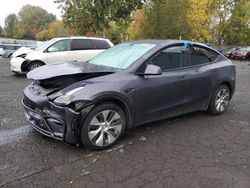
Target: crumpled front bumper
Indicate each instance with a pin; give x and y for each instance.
(16, 63)
(53, 121)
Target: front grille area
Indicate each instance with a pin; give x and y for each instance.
(43, 121)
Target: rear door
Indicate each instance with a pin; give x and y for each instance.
(202, 76)
(83, 50)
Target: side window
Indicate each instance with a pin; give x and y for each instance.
(82, 44)
(60, 46)
(101, 44)
(170, 58)
(200, 55)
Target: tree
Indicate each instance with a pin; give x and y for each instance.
(1, 30)
(56, 29)
(165, 19)
(134, 29)
(199, 17)
(238, 27)
(33, 19)
(11, 25)
(221, 13)
(95, 15)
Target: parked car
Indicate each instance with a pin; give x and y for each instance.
(128, 85)
(228, 52)
(7, 50)
(23, 51)
(18, 57)
(60, 50)
(1, 50)
(241, 53)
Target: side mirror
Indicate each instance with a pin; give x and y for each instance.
(153, 70)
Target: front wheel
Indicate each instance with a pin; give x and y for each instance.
(34, 65)
(220, 100)
(103, 126)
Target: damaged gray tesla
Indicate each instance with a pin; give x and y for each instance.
(93, 103)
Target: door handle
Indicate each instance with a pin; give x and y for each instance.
(180, 77)
(214, 70)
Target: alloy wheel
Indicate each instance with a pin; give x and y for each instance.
(34, 66)
(105, 128)
(222, 100)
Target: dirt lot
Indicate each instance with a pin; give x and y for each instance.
(194, 150)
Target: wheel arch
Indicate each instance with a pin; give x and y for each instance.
(229, 85)
(225, 82)
(26, 64)
(9, 56)
(119, 102)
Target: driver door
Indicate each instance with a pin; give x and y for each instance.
(59, 52)
(165, 95)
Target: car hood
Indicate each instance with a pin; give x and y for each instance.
(22, 50)
(68, 69)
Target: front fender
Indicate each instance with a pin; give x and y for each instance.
(125, 102)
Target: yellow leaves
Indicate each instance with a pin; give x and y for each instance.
(56, 29)
(198, 18)
(134, 29)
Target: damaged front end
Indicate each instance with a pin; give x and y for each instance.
(51, 120)
(50, 109)
(59, 122)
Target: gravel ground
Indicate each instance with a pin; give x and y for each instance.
(194, 150)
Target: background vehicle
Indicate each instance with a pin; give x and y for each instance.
(228, 52)
(61, 50)
(1, 50)
(130, 84)
(18, 58)
(7, 50)
(241, 53)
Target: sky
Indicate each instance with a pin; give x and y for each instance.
(14, 6)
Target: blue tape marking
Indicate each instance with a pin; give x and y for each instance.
(187, 43)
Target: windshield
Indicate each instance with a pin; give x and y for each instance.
(122, 55)
(45, 45)
(245, 49)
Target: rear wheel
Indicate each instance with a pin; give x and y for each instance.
(220, 100)
(103, 126)
(34, 65)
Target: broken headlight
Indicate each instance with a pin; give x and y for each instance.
(66, 98)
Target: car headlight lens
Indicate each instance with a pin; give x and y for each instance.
(66, 98)
(22, 55)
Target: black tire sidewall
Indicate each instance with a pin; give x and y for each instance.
(84, 124)
(212, 108)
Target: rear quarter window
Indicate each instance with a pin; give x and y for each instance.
(82, 44)
(200, 55)
(101, 44)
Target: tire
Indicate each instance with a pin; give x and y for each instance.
(220, 100)
(10, 56)
(34, 65)
(96, 132)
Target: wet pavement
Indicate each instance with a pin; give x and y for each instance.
(194, 150)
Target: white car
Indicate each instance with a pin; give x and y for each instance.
(18, 58)
(60, 50)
